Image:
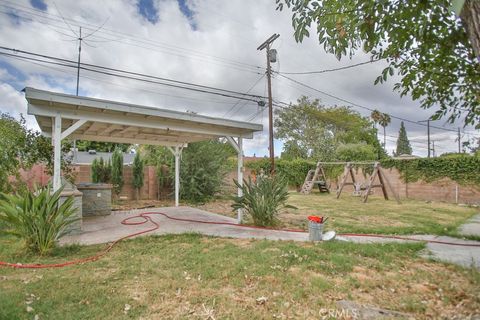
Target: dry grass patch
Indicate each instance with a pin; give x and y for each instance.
(190, 276)
(349, 214)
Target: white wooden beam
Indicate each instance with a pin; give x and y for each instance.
(92, 137)
(33, 94)
(73, 127)
(233, 143)
(238, 146)
(57, 149)
(120, 119)
(177, 152)
(240, 176)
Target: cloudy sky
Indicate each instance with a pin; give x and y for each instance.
(208, 42)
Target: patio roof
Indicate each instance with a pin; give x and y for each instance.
(112, 121)
(62, 115)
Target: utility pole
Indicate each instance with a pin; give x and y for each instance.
(266, 45)
(459, 141)
(79, 53)
(428, 134)
(433, 148)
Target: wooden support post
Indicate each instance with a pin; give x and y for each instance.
(387, 182)
(177, 175)
(346, 172)
(57, 150)
(238, 146)
(177, 152)
(370, 182)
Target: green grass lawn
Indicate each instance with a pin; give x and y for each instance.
(190, 276)
(349, 214)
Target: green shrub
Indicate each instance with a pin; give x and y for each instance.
(117, 171)
(293, 171)
(462, 168)
(101, 171)
(37, 217)
(355, 152)
(203, 167)
(263, 200)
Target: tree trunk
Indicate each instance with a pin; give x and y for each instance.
(470, 17)
(385, 138)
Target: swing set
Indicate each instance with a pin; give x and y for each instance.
(360, 189)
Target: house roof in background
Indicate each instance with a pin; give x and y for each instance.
(86, 158)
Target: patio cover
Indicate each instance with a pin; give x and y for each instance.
(62, 115)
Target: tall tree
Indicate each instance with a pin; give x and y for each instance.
(117, 171)
(20, 148)
(434, 53)
(376, 117)
(137, 170)
(403, 144)
(318, 130)
(384, 122)
(291, 150)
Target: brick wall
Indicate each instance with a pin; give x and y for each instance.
(83, 174)
(442, 190)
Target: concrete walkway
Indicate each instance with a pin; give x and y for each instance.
(109, 228)
(472, 227)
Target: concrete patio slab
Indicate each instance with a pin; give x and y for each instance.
(104, 229)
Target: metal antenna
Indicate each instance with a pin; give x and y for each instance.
(79, 54)
(80, 39)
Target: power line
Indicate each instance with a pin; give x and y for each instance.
(358, 105)
(123, 86)
(334, 69)
(248, 91)
(148, 47)
(131, 37)
(87, 66)
(132, 78)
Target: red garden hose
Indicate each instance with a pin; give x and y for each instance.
(145, 217)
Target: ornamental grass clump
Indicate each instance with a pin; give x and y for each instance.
(263, 199)
(37, 217)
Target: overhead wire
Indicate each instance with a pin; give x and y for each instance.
(134, 78)
(248, 91)
(361, 106)
(131, 37)
(87, 66)
(333, 69)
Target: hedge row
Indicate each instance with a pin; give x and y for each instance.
(463, 168)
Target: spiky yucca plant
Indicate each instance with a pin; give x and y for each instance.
(37, 217)
(263, 200)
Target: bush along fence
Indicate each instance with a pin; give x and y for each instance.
(439, 179)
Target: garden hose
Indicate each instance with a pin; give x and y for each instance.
(146, 217)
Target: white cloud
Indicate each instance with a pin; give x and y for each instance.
(14, 103)
(227, 32)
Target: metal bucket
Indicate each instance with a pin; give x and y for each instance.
(315, 231)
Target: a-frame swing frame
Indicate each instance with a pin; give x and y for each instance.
(377, 172)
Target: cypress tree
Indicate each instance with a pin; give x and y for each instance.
(403, 145)
(137, 174)
(117, 171)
